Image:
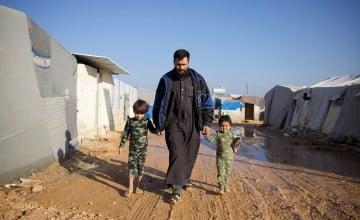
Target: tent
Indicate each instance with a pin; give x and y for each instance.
(279, 105)
(38, 96)
(330, 106)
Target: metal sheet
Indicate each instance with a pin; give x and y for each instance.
(100, 62)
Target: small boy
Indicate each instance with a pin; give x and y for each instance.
(137, 128)
(226, 146)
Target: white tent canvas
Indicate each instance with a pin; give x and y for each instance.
(278, 103)
(349, 118)
(329, 106)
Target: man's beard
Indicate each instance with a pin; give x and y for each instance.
(181, 72)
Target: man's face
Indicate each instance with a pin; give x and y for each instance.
(181, 65)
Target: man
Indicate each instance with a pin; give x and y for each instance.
(183, 107)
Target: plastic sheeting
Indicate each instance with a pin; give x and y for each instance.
(231, 105)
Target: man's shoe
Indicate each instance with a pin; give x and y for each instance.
(188, 187)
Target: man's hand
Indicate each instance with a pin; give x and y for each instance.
(159, 133)
(206, 130)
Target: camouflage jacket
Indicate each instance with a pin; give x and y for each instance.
(137, 130)
(223, 141)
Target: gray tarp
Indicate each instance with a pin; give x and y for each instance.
(38, 96)
(278, 102)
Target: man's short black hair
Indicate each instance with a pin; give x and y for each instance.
(181, 53)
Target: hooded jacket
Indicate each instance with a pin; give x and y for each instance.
(203, 102)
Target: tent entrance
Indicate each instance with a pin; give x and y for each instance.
(332, 116)
(249, 111)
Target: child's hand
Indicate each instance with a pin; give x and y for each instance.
(120, 150)
(235, 151)
(206, 130)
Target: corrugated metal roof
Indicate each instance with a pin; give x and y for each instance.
(100, 63)
(256, 100)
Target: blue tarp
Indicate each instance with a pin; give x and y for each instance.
(231, 105)
(149, 112)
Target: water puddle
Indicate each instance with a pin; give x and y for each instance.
(259, 146)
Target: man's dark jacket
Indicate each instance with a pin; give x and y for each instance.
(203, 102)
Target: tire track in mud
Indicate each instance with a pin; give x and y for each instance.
(278, 190)
(280, 206)
(259, 190)
(293, 192)
(202, 179)
(258, 200)
(142, 206)
(152, 205)
(216, 207)
(306, 195)
(299, 196)
(233, 205)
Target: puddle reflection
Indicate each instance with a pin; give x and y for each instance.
(258, 146)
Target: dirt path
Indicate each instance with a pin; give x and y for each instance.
(92, 184)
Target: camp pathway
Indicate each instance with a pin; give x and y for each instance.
(91, 186)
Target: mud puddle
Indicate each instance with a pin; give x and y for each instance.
(260, 146)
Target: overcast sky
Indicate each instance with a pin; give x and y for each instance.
(261, 43)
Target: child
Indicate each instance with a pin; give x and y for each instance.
(226, 146)
(137, 128)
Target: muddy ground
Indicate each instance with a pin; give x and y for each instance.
(91, 186)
